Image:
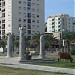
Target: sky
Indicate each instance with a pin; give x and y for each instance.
(53, 7)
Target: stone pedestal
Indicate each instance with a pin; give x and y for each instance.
(42, 52)
(22, 48)
(9, 45)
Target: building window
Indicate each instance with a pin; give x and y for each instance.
(0, 22)
(33, 15)
(33, 20)
(19, 19)
(58, 29)
(3, 10)
(24, 8)
(37, 21)
(24, 20)
(52, 19)
(19, 2)
(29, 0)
(3, 32)
(29, 26)
(58, 18)
(19, 8)
(29, 4)
(3, 21)
(20, 13)
(29, 20)
(0, 9)
(29, 15)
(24, 2)
(37, 15)
(37, 10)
(3, 26)
(0, 32)
(29, 31)
(29, 8)
(19, 25)
(33, 4)
(3, 14)
(59, 22)
(53, 23)
(3, 3)
(29, 37)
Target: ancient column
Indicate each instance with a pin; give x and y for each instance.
(42, 52)
(9, 45)
(22, 49)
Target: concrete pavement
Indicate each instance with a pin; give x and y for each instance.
(13, 62)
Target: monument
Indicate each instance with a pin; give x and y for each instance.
(23, 56)
(22, 48)
(42, 52)
(9, 45)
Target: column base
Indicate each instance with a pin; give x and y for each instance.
(9, 56)
(41, 57)
(22, 59)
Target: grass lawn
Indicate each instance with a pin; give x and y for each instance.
(62, 63)
(12, 71)
(58, 64)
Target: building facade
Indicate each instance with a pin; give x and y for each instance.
(28, 14)
(60, 22)
(2, 19)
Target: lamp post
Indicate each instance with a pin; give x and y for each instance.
(62, 34)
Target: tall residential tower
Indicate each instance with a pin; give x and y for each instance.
(2, 19)
(24, 13)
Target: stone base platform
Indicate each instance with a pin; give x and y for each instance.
(34, 60)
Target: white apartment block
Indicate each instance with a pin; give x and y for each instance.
(2, 19)
(24, 13)
(59, 23)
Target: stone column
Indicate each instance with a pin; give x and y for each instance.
(9, 46)
(22, 49)
(42, 52)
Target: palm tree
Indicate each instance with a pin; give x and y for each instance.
(49, 40)
(34, 42)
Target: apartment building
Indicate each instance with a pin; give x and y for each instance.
(2, 19)
(24, 13)
(60, 23)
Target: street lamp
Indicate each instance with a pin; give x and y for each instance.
(62, 32)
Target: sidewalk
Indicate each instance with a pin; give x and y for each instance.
(13, 62)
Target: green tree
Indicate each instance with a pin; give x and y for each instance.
(34, 42)
(35, 39)
(70, 37)
(3, 44)
(49, 40)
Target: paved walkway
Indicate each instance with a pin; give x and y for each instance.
(13, 62)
